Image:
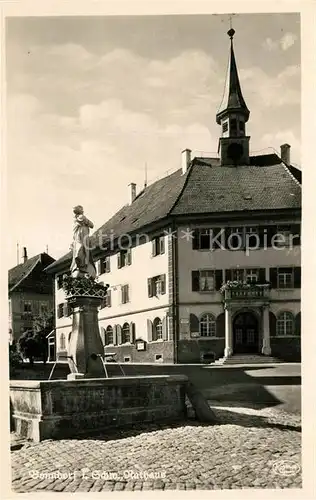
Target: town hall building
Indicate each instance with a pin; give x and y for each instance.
(204, 263)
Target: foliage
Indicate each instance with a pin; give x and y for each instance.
(241, 285)
(15, 359)
(84, 287)
(33, 343)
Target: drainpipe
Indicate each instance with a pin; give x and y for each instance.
(175, 294)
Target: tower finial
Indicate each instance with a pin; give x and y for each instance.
(231, 31)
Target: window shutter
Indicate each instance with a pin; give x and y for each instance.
(118, 334)
(108, 298)
(296, 229)
(194, 324)
(297, 277)
(262, 275)
(298, 324)
(65, 309)
(149, 330)
(107, 265)
(153, 248)
(132, 332)
(228, 275)
(162, 244)
(129, 256)
(115, 335)
(102, 335)
(274, 277)
(272, 324)
(69, 310)
(196, 239)
(217, 241)
(271, 231)
(150, 287)
(218, 279)
(164, 328)
(119, 260)
(163, 284)
(195, 281)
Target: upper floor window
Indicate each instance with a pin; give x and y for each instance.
(233, 126)
(106, 302)
(124, 258)
(207, 280)
(283, 238)
(43, 308)
(109, 336)
(27, 306)
(207, 325)
(124, 294)
(225, 127)
(158, 246)
(157, 329)
(60, 310)
(285, 324)
(157, 285)
(104, 265)
(242, 126)
(285, 277)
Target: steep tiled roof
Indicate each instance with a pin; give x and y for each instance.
(18, 273)
(207, 187)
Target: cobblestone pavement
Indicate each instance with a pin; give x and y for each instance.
(246, 448)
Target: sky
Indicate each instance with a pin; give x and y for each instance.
(91, 100)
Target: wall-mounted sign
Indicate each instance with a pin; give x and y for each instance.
(140, 345)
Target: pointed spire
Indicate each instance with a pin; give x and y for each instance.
(233, 100)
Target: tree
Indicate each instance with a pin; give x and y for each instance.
(33, 343)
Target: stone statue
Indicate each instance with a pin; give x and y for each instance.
(82, 263)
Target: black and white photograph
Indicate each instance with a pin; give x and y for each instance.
(154, 210)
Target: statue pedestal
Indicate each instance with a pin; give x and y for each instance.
(85, 350)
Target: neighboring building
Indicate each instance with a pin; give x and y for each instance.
(164, 301)
(30, 293)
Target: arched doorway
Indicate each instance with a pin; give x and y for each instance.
(245, 333)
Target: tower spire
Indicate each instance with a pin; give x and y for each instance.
(233, 115)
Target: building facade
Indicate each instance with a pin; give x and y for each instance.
(30, 293)
(205, 262)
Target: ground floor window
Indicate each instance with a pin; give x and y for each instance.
(285, 324)
(109, 335)
(157, 329)
(126, 335)
(207, 325)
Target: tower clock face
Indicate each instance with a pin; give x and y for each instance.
(235, 151)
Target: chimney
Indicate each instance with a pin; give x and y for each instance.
(185, 160)
(24, 254)
(286, 154)
(132, 192)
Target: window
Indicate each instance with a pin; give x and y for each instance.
(43, 308)
(207, 326)
(285, 277)
(126, 334)
(62, 342)
(104, 265)
(60, 310)
(60, 278)
(106, 301)
(233, 126)
(157, 285)
(158, 246)
(127, 359)
(124, 258)
(205, 239)
(283, 238)
(285, 324)
(225, 127)
(249, 275)
(124, 294)
(109, 337)
(207, 281)
(27, 306)
(235, 240)
(157, 329)
(241, 126)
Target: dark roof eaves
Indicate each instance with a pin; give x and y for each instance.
(37, 259)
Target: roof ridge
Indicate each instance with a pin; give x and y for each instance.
(188, 173)
(290, 174)
(37, 259)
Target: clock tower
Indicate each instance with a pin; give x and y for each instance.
(232, 116)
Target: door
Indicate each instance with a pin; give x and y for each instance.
(245, 333)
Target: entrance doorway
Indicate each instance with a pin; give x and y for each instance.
(245, 333)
